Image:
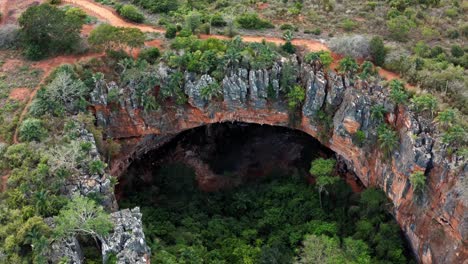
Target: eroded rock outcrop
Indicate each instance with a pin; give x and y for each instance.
(127, 240)
(334, 111)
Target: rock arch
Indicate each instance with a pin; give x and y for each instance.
(333, 112)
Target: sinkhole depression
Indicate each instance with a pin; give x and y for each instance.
(243, 193)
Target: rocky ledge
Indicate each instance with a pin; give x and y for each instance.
(334, 111)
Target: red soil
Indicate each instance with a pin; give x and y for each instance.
(20, 94)
(11, 65)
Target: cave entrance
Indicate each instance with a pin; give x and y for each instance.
(225, 155)
(242, 193)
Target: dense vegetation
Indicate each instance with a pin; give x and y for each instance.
(266, 221)
(424, 41)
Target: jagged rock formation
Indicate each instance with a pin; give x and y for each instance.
(333, 112)
(127, 241)
(87, 184)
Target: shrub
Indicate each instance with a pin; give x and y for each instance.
(457, 51)
(210, 91)
(252, 21)
(377, 50)
(418, 181)
(171, 32)
(160, 6)
(55, 2)
(359, 137)
(131, 13)
(77, 12)
(399, 27)
(348, 24)
(149, 54)
(451, 12)
(288, 27)
(96, 167)
(9, 35)
(217, 20)
(110, 37)
(295, 97)
(356, 46)
(32, 130)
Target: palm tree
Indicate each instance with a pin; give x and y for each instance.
(378, 112)
(42, 201)
(388, 139)
(446, 117)
(348, 66)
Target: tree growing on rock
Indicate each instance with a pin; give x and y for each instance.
(288, 46)
(388, 139)
(446, 117)
(418, 181)
(295, 97)
(82, 216)
(348, 66)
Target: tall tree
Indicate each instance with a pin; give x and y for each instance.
(46, 30)
(323, 169)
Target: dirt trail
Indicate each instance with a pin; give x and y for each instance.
(4, 11)
(47, 66)
(108, 14)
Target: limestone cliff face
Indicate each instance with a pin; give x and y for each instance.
(334, 110)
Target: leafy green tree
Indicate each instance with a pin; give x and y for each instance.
(377, 50)
(323, 170)
(319, 250)
(46, 30)
(32, 130)
(131, 13)
(81, 216)
(418, 181)
(388, 139)
(296, 97)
